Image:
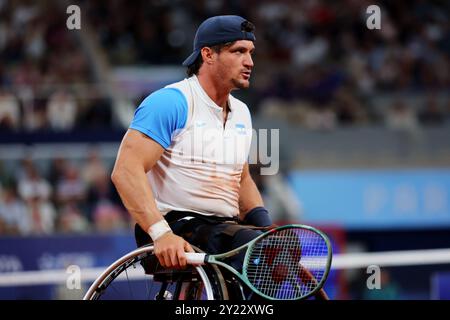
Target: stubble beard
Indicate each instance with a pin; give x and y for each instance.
(240, 84)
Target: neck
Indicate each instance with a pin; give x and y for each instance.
(214, 89)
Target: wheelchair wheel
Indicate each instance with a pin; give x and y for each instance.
(126, 279)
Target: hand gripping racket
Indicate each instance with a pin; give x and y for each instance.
(289, 262)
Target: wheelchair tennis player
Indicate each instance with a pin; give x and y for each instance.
(181, 170)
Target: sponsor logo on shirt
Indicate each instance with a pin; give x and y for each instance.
(200, 124)
(240, 128)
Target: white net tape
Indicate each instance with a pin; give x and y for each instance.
(340, 261)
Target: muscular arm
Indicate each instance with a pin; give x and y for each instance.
(137, 155)
(249, 195)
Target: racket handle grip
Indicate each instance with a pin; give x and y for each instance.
(195, 258)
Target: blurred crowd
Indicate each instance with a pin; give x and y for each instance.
(35, 47)
(317, 64)
(42, 67)
(60, 111)
(62, 196)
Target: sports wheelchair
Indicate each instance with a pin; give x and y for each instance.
(138, 276)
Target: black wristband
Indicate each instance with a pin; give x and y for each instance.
(259, 217)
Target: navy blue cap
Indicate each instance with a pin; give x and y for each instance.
(220, 29)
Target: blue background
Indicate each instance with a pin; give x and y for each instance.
(365, 199)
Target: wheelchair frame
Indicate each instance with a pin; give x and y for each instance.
(208, 278)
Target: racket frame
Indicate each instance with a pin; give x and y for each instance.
(216, 259)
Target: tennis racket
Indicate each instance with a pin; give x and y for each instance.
(289, 262)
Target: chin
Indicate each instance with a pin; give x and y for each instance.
(241, 84)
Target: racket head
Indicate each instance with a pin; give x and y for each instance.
(290, 262)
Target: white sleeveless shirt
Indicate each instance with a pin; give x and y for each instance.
(200, 171)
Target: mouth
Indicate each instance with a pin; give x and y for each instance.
(246, 75)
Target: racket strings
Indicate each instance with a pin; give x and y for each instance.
(288, 264)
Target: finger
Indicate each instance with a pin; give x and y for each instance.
(187, 247)
(173, 258)
(161, 259)
(181, 258)
(166, 258)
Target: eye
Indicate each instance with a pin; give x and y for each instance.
(239, 50)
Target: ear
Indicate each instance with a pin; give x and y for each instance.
(207, 55)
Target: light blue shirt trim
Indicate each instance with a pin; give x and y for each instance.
(161, 114)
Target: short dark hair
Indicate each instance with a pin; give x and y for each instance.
(195, 67)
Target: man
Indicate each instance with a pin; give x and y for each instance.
(190, 140)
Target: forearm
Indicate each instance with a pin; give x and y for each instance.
(249, 196)
(136, 194)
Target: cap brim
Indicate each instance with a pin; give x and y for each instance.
(191, 59)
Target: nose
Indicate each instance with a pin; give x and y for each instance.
(248, 62)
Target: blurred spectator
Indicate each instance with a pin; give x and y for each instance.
(9, 111)
(36, 191)
(402, 118)
(431, 115)
(36, 117)
(43, 215)
(101, 190)
(71, 220)
(61, 111)
(58, 167)
(312, 52)
(97, 112)
(7, 177)
(15, 217)
(348, 109)
(94, 170)
(71, 187)
(32, 185)
(108, 217)
(320, 119)
(3, 227)
(26, 75)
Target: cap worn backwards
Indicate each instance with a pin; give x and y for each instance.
(220, 29)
